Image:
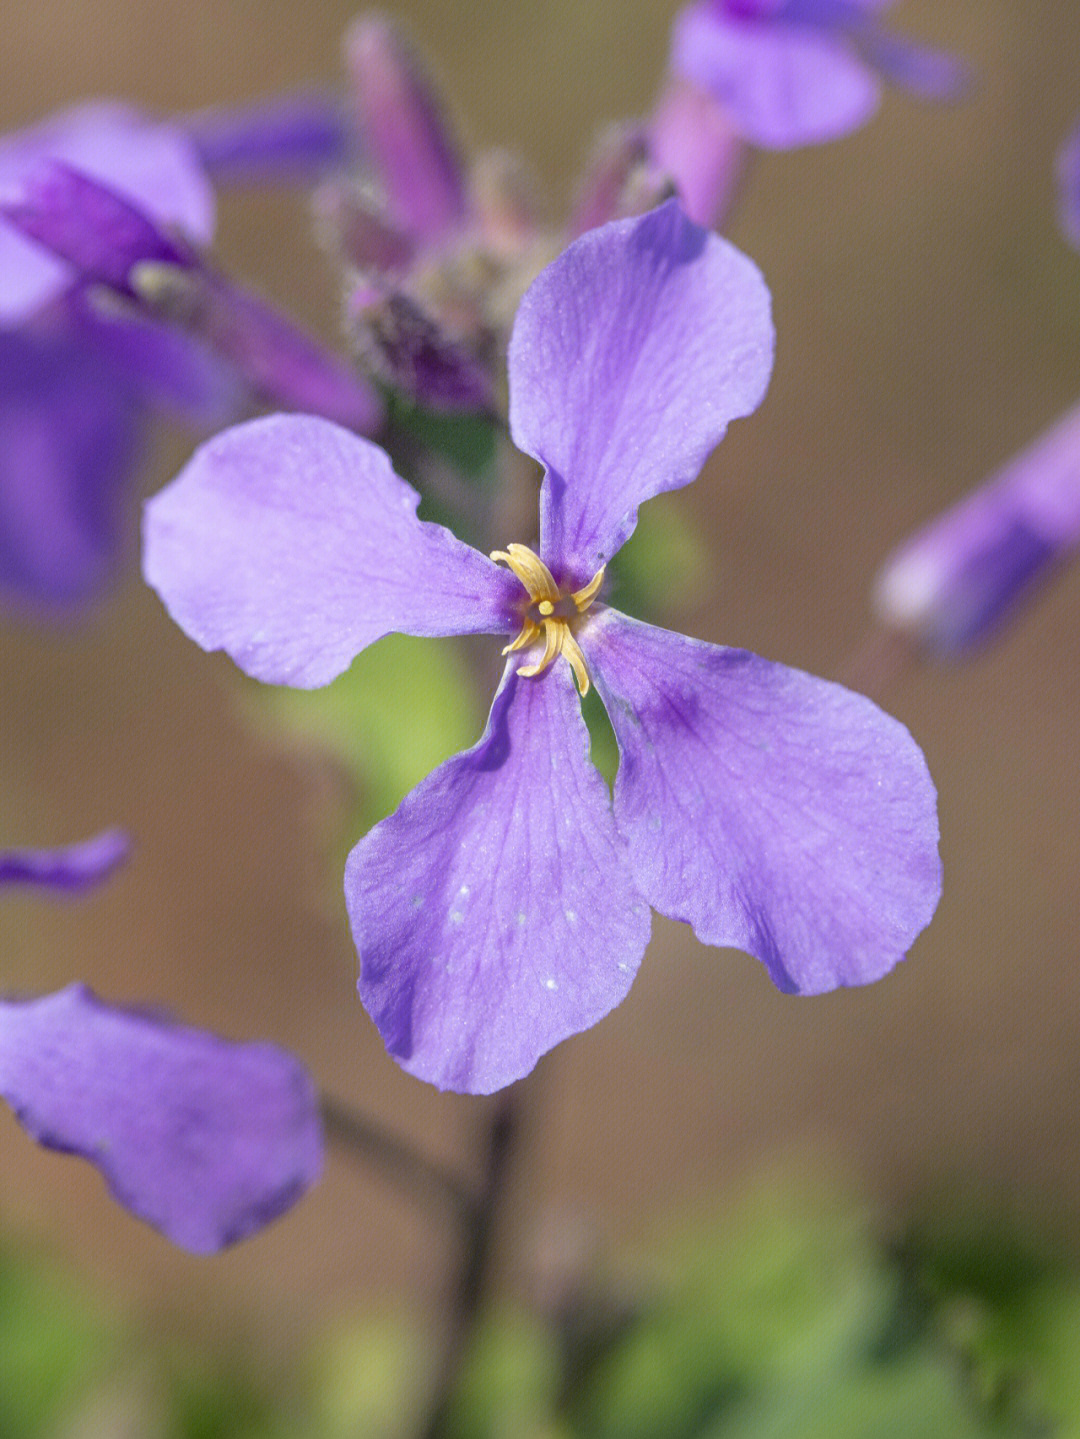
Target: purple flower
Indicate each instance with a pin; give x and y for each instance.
(204, 1139)
(442, 249)
(152, 164)
(965, 574)
(78, 383)
(1068, 178)
(798, 72)
(73, 867)
(505, 905)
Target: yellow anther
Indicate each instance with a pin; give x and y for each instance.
(553, 643)
(545, 598)
(530, 570)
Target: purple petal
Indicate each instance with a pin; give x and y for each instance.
(1068, 179)
(68, 440)
(782, 85)
(152, 165)
(772, 811)
(279, 363)
(494, 913)
(962, 576)
(925, 73)
(94, 230)
(206, 1140)
(291, 544)
(405, 134)
(165, 367)
(73, 867)
(692, 139)
(286, 137)
(630, 355)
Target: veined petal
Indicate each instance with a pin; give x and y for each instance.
(783, 84)
(290, 543)
(494, 912)
(153, 165)
(71, 867)
(772, 811)
(630, 355)
(205, 1139)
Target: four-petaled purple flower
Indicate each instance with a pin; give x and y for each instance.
(505, 905)
(798, 72)
(204, 1139)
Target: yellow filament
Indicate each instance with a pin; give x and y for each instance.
(544, 594)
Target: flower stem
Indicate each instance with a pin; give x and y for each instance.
(474, 1274)
(428, 1183)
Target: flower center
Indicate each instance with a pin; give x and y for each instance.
(549, 613)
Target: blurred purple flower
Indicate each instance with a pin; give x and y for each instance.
(1068, 178)
(505, 905)
(443, 248)
(72, 867)
(84, 198)
(799, 72)
(205, 1139)
(965, 574)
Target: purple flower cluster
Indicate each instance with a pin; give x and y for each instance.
(505, 905)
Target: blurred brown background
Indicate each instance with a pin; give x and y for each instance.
(928, 318)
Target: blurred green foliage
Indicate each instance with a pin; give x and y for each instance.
(791, 1319)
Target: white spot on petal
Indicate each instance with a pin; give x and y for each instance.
(571, 916)
(551, 984)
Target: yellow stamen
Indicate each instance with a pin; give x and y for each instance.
(546, 599)
(553, 643)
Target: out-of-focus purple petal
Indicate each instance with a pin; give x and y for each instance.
(772, 811)
(284, 138)
(164, 366)
(291, 544)
(69, 430)
(630, 355)
(280, 364)
(152, 165)
(403, 131)
(782, 85)
(926, 73)
(93, 229)
(692, 139)
(494, 913)
(1068, 180)
(71, 868)
(968, 571)
(204, 1139)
